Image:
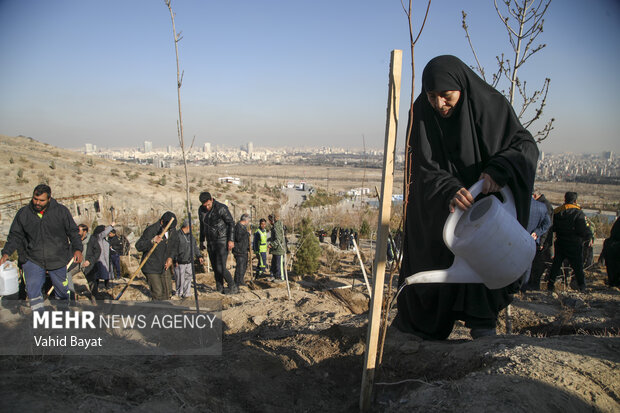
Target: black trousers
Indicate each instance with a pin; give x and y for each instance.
(241, 267)
(572, 253)
(277, 267)
(613, 272)
(539, 264)
(218, 254)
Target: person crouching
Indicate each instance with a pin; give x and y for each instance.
(158, 268)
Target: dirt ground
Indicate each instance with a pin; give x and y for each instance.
(306, 354)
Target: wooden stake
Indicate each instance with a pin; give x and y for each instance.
(52, 288)
(288, 286)
(148, 255)
(383, 227)
(359, 257)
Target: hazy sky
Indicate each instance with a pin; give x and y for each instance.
(278, 72)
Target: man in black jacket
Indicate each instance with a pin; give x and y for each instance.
(217, 229)
(185, 260)
(116, 249)
(241, 248)
(158, 268)
(50, 236)
(569, 225)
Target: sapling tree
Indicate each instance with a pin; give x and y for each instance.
(177, 39)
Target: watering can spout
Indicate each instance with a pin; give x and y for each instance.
(459, 272)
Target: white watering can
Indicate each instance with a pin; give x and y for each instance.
(489, 244)
(9, 283)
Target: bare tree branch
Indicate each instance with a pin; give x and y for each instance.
(479, 67)
(423, 22)
(523, 21)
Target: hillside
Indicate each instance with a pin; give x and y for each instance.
(138, 193)
(306, 353)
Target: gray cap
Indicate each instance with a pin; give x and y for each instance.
(185, 223)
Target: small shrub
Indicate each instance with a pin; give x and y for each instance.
(307, 255)
(11, 160)
(365, 229)
(332, 259)
(52, 165)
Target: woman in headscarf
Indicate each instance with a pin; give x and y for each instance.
(102, 266)
(463, 131)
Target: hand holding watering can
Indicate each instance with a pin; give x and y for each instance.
(490, 246)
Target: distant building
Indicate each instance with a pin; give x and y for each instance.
(207, 147)
(169, 148)
(148, 146)
(89, 148)
(230, 180)
(358, 191)
(250, 148)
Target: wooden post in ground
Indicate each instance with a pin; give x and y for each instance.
(378, 281)
(359, 257)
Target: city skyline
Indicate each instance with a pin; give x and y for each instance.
(200, 147)
(278, 74)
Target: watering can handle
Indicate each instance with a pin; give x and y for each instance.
(476, 189)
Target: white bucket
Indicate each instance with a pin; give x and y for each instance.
(489, 244)
(9, 277)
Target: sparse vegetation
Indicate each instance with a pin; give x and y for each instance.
(43, 179)
(52, 165)
(321, 198)
(131, 176)
(20, 177)
(332, 258)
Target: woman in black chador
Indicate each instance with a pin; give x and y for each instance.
(463, 131)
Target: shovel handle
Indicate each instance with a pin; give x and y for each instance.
(148, 255)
